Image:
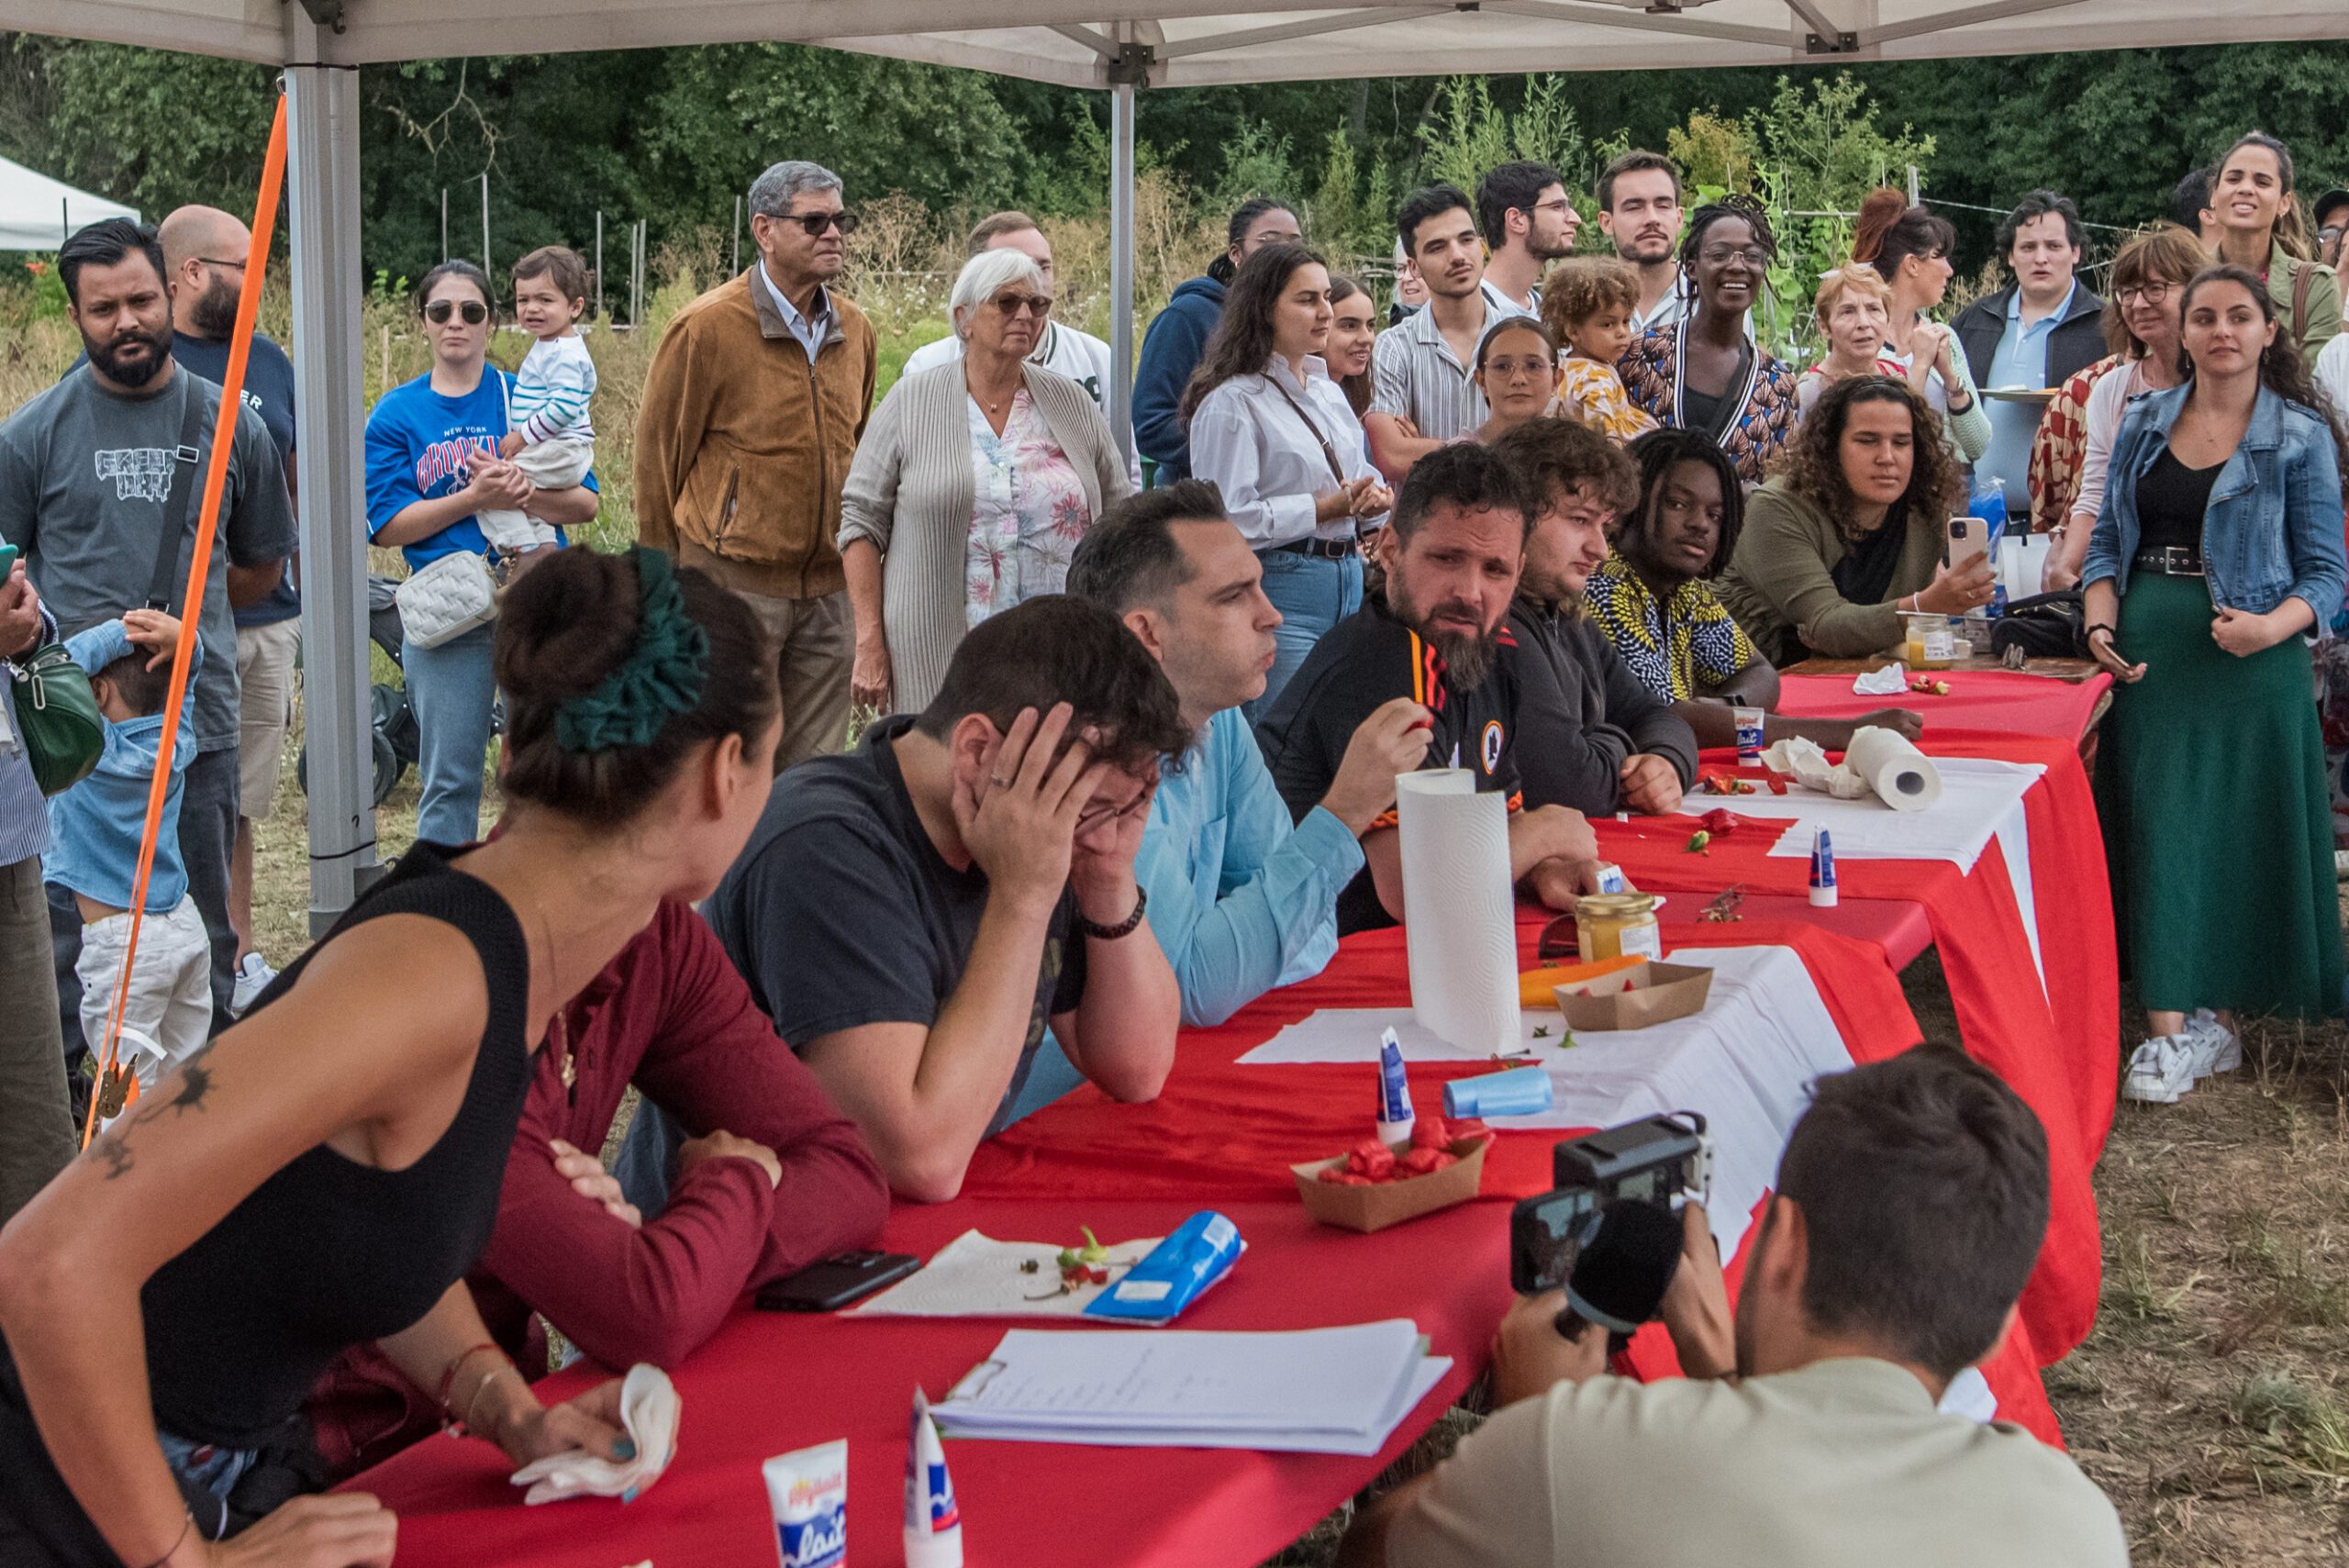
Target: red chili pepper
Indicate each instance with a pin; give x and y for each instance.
(1721, 820)
(1431, 1132)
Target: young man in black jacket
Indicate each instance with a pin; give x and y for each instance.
(1590, 734)
(2038, 331)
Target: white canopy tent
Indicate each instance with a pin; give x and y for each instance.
(37, 213)
(1119, 46)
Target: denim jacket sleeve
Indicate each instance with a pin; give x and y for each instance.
(2312, 527)
(2104, 544)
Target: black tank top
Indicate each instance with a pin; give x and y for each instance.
(328, 1254)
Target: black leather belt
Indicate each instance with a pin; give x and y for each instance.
(2169, 560)
(1318, 549)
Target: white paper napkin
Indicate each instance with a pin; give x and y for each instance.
(649, 1409)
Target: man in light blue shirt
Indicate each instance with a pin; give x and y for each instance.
(1240, 898)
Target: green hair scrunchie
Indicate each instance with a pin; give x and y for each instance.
(661, 675)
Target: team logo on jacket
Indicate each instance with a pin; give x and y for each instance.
(1491, 746)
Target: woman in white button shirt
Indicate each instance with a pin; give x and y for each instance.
(1277, 436)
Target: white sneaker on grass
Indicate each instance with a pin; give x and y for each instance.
(2161, 1070)
(2216, 1048)
(254, 975)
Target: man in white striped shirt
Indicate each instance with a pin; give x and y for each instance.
(1422, 395)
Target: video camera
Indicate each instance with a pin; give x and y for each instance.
(1609, 1234)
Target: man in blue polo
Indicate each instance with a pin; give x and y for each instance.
(2037, 332)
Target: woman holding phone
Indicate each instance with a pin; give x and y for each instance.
(2219, 545)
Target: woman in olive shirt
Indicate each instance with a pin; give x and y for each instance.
(1847, 534)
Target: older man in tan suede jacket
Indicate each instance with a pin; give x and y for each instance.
(753, 409)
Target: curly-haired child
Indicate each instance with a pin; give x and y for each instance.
(1586, 303)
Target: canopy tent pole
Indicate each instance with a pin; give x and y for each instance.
(1122, 265)
(322, 137)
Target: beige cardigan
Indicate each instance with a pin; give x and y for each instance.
(911, 491)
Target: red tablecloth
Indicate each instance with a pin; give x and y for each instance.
(2002, 701)
(768, 1384)
(2056, 1043)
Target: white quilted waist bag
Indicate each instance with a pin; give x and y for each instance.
(446, 598)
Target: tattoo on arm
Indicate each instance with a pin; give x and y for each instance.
(113, 1154)
(195, 1087)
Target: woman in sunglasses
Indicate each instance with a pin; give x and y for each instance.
(432, 463)
(2070, 453)
(970, 489)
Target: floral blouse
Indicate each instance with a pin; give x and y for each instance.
(1030, 510)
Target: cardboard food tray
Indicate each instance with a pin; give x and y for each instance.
(1653, 993)
(1383, 1204)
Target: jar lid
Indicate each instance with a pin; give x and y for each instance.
(1614, 906)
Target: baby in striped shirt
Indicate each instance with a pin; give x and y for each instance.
(548, 434)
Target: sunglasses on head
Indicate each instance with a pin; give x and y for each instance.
(473, 310)
(813, 224)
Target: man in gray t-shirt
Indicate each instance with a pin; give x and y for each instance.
(86, 473)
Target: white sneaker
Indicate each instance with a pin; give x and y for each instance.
(2216, 1048)
(253, 976)
(2161, 1072)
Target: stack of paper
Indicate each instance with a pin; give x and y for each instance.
(1314, 1390)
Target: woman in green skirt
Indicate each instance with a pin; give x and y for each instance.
(2219, 545)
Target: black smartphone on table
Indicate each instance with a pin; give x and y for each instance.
(835, 1283)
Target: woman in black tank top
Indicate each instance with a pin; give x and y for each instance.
(327, 1169)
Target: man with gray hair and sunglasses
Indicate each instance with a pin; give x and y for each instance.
(757, 396)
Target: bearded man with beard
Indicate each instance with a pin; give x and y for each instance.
(1452, 552)
(90, 475)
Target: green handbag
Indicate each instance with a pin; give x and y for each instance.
(57, 718)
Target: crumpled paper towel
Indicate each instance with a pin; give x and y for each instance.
(649, 1409)
(1892, 681)
(1803, 758)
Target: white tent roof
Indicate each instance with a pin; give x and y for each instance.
(1078, 42)
(37, 213)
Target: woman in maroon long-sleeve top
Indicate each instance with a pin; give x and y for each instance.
(671, 1016)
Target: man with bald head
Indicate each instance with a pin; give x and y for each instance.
(204, 251)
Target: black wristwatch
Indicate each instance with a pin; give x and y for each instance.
(2088, 631)
(1125, 927)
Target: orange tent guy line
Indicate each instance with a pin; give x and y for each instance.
(215, 477)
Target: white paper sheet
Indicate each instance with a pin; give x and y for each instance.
(1339, 1390)
(1745, 1064)
(1979, 794)
(1424, 1377)
(1459, 908)
(978, 1276)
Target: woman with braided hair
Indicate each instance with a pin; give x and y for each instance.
(1705, 374)
(325, 1174)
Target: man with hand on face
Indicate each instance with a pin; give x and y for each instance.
(2038, 331)
(1241, 899)
(1909, 1211)
(1452, 555)
(1589, 735)
(96, 475)
(912, 913)
(1639, 210)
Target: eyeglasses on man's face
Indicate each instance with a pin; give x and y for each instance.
(1013, 306)
(813, 224)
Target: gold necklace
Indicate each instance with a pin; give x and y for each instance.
(558, 1023)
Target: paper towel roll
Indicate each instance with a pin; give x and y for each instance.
(1902, 776)
(1459, 909)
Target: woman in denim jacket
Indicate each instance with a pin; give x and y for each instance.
(2219, 544)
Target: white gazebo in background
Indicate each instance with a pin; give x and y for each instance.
(37, 213)
(1117, 45)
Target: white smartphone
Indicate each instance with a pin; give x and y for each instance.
(1969, 541)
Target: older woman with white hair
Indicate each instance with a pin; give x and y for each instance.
(970, 490)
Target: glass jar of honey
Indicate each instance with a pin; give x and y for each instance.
(1928, 642)
(1617, 925)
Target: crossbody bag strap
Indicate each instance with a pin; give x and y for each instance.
(1329, 453)
(2303, 280)
(179, 505)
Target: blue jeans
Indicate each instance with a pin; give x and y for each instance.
(452, 689)
(1312, 594)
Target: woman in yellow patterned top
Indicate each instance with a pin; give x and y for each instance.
(1654, 598)
(1588, 303)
